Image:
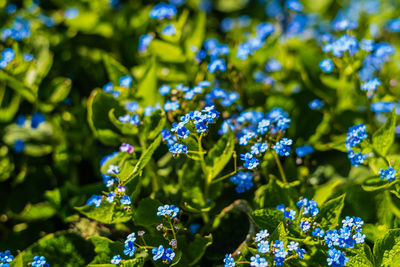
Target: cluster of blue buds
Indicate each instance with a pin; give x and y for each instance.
(226, 98)
(269, 252)
(6, 56)
(129, 249)
(124, 82)
(355, 135)
(163, 11)
(39, 261)
(19, 30)
(180, 94)
(5, 258)
(198, 121)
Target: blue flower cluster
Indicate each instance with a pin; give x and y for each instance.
(181, 93)
(388, 174)
(6, 56)
(5, 258)
(228, 24)
(19, 30)
(214, 50)
(243, 181)
(226, 98)
(355, 135)
(263, 30)
(303, 151)
(39, 261)
(198, 121)
(124, 82)
(163, 11)
(167, 255)
(169, 211)
(267, 248)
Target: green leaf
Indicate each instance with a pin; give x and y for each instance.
(267, 218)
(61, 88)
(107, 213)
(147, 88)
(279, 233)
(387, 249)
(197, 35)
(383, 138)
(39, 211)
(360, 256)
(198, 247)
(323, 192)
(273, 194)
(220, 154)
(146, 212)
(114, 69)
(124, 128)
(8, 112)
(375, 183)
(99, 104)
(167, 52)
(142, 162)
(60, 249)
(25, 91)
(6, 166)
(329, 213)
(105, 248)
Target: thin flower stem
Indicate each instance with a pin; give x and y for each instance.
(278, 162)
(172, 228)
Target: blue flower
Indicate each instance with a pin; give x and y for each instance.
(356, 159)
(6, 257)
(132, 106)
(110, 197)
(229, 261)
(283, 123)
(39, 261)
(303, 151)
(263, 247)
(171, 105)
(310, 207)
(217, 64)
(126, 200)
(116, 260)
(394, 25)
(125, 147)
(243, 51)
(27, 57)
(355, 135)
(258, 261)
(282, 147)
(157, 252)
(168, 30)
(168, 211)
(261, 235)
(305, 225)
(243, 181)
(258, 148)
(345, 43)
(113, 169)
(273, 65)
(95, 200)
(388, 174)
(71, 13)
(178, 149)
(20, 120)
(19, 146)
(263, 125)
(294, 5)
(164, 89)
(11, 8)
(326, 65)
(108, 87)
(162, 11)
(384, 107)
(37, 119)
(144, 42)
(129, 248)
(336, 258)
(125, 81)
(250, 162)
(367, 45)
(168, 255)
(315, 104)
(318, 232)
(293, 246)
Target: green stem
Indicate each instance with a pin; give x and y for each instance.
(172, 228)
(278, 162)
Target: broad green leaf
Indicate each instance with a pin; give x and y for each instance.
(279, 233)
(114, 69)
(25, 91)
(99, 105)
(267, 218)
(323, 192)
(60, 249)
(107, 213)
(147, 89)
(146, 212)
(142, 162)
(387, 249)
(220, 154)
(167, 52)
(44, 61)
(105, 249)
(375, 183)
(329, 214)
(124, 128)
(383, 138)
(153, 124)
(39, 211)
